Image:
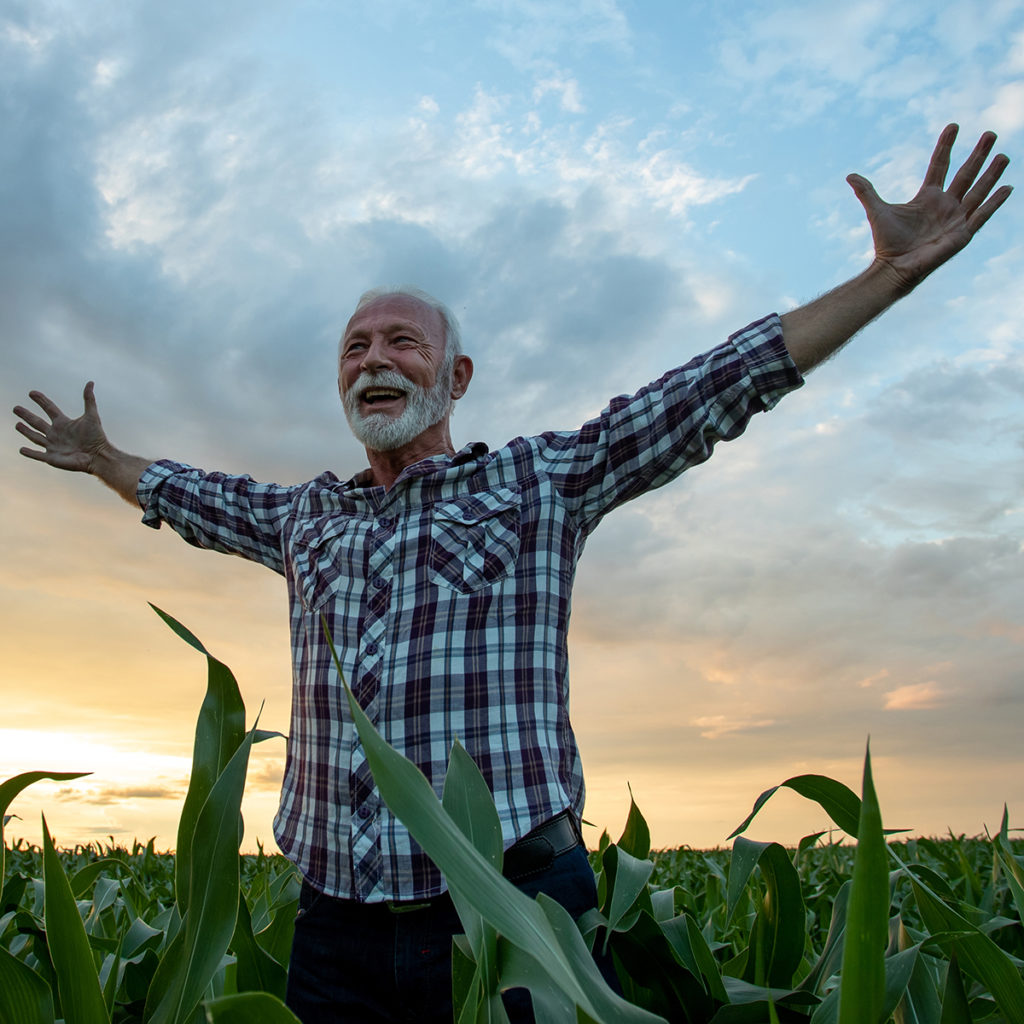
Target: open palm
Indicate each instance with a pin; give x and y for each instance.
(63, 442)
(914, 238)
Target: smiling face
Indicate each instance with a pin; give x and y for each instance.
(395, 383)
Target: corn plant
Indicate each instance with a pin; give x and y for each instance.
(136, 952)
(915, 931)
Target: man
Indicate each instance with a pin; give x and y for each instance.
(445, 579)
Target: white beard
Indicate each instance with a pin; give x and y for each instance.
(423, 408)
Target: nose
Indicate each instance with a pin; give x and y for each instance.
(376, 356)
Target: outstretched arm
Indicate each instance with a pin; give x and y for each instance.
(911, 240)
(79, 445)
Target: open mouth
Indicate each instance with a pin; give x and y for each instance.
(381, 396)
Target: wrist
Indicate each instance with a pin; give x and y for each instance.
(103, 459)
(891, 282)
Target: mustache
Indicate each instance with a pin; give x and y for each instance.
(380, 379)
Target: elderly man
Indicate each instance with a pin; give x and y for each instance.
(445, 579)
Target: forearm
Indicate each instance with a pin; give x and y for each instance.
(816, 331)
(120, 471)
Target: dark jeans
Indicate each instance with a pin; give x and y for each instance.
(362, 963)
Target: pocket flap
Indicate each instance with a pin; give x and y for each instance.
(475, 508)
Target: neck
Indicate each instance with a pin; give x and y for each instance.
(386, 467)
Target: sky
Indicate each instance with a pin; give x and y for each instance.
(194, 195)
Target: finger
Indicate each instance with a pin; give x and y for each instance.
(49, 407)
(31, 418)
(33, 435)
(938, 166)
(985, 183)
(89, 398)
(865, 192)
(964, 178)
(994, 201)
(33, 453)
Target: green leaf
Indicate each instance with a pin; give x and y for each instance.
(194, 956)
(12, 787)
(249, 1008)
(778, 936)
(981, 957)
(84, 877)
(636, 836)
(660, 960)
(467, 798)
(839, 802)
(257, 970)
(219, 730)
(77, 980)
(276, 937)
(955, 1007)
(625, 886)
(831, 956)
(862, 982)
(521, 920)
(24, 997)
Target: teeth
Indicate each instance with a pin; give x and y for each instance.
(371, 393)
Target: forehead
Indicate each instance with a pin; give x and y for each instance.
(397, 311)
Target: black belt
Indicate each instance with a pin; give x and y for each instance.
(532, 855)
(537, 850)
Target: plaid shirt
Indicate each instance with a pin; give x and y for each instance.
(448, 598)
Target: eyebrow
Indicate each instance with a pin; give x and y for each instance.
(392, 328)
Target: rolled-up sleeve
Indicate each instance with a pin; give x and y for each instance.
(232, 514)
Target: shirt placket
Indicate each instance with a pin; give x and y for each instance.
(366, 845)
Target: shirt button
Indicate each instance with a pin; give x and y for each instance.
(371, 648)
(385, 523)
(379, 582)
(364, 812)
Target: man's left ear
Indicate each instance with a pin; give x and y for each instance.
(462, 374)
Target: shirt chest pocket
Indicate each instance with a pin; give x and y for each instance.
(474, 540)
(321, 556)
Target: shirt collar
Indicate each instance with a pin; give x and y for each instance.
(471, 453)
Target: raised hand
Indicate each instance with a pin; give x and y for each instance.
(912, 239)
(66, 443)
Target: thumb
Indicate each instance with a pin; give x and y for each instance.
(865, 192)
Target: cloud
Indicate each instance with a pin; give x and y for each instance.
(527, 31)
(1006, 114)
(107, 795)
(714, 726)
(567, 89)
(914, 697)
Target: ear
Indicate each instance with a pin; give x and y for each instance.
(462, 374)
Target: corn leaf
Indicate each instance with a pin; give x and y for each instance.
(194, 956)
(467, 798)
(219, 730)
(955, 1007)
(11, 788)
(839, 802)
(256, 970)
(981, 957)
(521, 920)
(24, 997)
(862, 982)
(77, 980)
(636, 836)
(832, 955)
(625, 888)
(778, 936)
(249, 1008)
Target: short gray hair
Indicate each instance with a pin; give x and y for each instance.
(452, 331)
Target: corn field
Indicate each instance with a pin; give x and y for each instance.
(884, 930)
